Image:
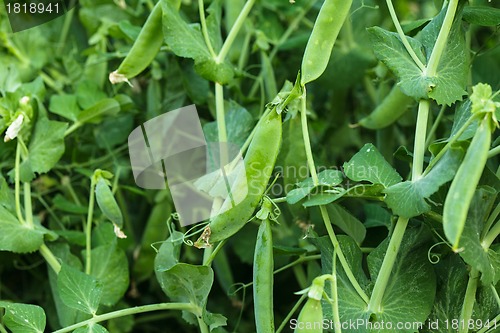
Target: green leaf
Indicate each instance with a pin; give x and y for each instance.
(65, 105)
(209, 69)
(452, 71)
(17, 237)
(482, 15)
(24, 318)
(184, 39)
(452, 278)
(46, 146)
(78, 290)
(347, 222)
(369, 165)
(109, 266)
(328, 178)
(448, 85)
(214, 24)
(239, 123)
(67, 206)
(409, 295)
(91, 328)
(376, 216)
(89, 94)
(408, 199)
(473, 253)
(350, 303)
(94, 114)
(107, 203)
(9, 79)
(187, 283)
(391, 51)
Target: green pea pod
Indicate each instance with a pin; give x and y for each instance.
(310, 319)
(465, 182)
(107, 202)
(394, 105)
(330, 19)
(259, 163)
(263, 266)
(145, 48)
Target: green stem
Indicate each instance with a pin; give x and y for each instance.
(494, 152)
(17, 183)
(300, 276)
(420, 135)
(88, 231)
(286, 321)
(73, 128)
(28, 210)
(487, 328)
(442, 39)
(335, 305)
(2, 329)
(469, 300)
(307, 140)
(450, 142)
(207, 260)
(495, 294)
(204, 29)
(340, 254)
(203, 327)
(386, 269)
(324, 212)
(402, 35)
(65, 29)
(50, 258)
(490, 221)
(435, 126)
(491, 236)
(130, 311)
(220, 112)
(234, 31)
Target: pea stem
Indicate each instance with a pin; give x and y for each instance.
(50, 258)
(17, 183)
(290, 314)
(487, 328)
(491, 236)
(469, 300)
(450, 142)
(88, 227)
(234, 31)
(335, 305)
(386, 269)
(491, 219)
(130, 311)
(494, 152)
(435, 125)
(204, 29)
(420, 135)
(324, 212)
(402, 35)
(2, 329)
(442, 39)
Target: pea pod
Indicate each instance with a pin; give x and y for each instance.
(394, 105)
(330, 19)
(259, 163)
(144, 50)
(263, 266)
(310, 319)
(107, 203)
(465, 182)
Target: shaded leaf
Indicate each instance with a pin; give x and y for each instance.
(78, 290)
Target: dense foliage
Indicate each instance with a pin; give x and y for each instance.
(369, 133)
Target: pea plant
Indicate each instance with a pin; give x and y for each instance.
(368, 198)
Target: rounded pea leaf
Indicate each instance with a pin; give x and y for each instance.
(78, 290)
(221, 73)
(107, 203)
(24, 318)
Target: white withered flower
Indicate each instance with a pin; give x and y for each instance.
(14, 129)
